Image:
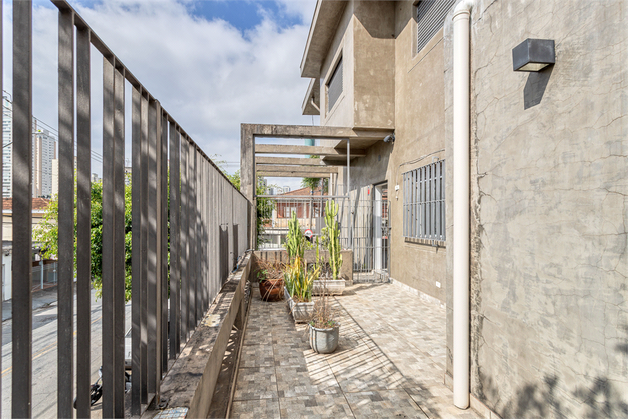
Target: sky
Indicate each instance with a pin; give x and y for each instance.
(212, 64)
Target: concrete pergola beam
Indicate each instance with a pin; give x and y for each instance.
(293, 174)
(360, 137)
(316, 132)
(295, 161)
(305, 149)
(303, 169)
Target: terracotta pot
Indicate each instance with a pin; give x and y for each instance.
(271, 289)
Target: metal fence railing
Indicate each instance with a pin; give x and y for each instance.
(363, 221)
(189, 224)
(44, 275)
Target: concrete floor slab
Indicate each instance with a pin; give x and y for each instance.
(389, 362)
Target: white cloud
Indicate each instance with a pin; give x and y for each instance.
(207, 74)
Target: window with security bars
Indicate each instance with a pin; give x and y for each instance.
(430, 16)
(424, 202)
(334, 87)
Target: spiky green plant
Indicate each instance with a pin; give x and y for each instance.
(332, 238)
(295, 240)
(299, 280)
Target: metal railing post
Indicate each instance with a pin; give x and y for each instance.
(184, 239)
(65, 278)
(83, 221)
(175, 241)
(143, 379)
(136, 268)
(21, 330)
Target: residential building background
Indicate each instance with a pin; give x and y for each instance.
(548, 191)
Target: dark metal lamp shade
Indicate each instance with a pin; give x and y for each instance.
(533, 55)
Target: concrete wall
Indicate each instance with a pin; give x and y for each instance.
(364, 39)
(549, 210)
(341, 115)
(419, 121)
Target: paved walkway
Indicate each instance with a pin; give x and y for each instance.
(389, 363)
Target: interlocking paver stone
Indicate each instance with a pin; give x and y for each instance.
(389, 363)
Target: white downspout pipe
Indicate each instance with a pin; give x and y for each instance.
(461, 203)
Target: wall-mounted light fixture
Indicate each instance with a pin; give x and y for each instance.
(533, 55)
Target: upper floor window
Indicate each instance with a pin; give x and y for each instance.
(424, 202)
(334, 87)
(430, 16)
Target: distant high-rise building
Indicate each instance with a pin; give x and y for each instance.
(7, 148)
(44, 152)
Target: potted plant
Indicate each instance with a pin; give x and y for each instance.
(271, 283)
(295, 240)
(298, 290)
(331, 242)
(324, 330)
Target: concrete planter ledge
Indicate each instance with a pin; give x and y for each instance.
(190, 383)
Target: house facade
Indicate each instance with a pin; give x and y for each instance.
(547, 317)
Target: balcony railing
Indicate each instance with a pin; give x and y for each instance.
(185, 238)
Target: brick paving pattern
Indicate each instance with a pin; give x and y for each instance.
(389, 363)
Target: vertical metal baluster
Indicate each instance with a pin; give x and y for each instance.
(193, 268)
(158, 251)
(206, 238)
(83, 221)
(152, 243)
(144, 247)
(199, 238)
(201, 258)
(108, 239)
(65, 273)
(175, 242)
(21, 330)
(164, 245)
(212, 234)
(184, 239)
(119, 243)
(136, 287)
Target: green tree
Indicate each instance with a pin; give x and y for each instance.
(315, 182)
(47, 234)
(265, 206)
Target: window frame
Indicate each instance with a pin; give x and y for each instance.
(337, 63)
(424, 203)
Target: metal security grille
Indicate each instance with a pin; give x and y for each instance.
(364, 226)
(430, 15)
(334, 88)
(424, 202)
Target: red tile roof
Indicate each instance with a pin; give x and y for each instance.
(302, 192)
(38, 203)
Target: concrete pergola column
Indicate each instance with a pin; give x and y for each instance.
(247, 177)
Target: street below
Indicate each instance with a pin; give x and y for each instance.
(44, 397)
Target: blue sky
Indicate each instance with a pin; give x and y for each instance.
(242, 14)
(211, 64)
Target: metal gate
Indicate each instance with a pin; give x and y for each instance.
(363, 219)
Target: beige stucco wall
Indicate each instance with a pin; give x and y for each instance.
(549, 205)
